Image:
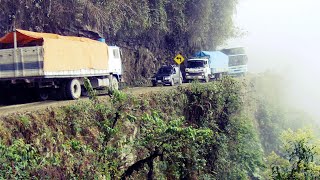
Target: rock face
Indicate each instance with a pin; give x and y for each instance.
(150, 32)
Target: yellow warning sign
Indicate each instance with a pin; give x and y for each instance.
(179, 59)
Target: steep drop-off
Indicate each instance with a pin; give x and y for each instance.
(219, 130)
(149, 32)
(197, 131)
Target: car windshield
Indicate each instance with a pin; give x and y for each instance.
(195, 64)
(165, 70)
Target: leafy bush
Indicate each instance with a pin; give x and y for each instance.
(19, 160)
(196, 131)
(299, 158)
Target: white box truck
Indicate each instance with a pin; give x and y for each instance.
(238, 61)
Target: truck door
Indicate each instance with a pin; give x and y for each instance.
(115, 63)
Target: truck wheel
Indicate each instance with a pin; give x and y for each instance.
(172, 82)
(217, 76)
(115, 83)
(206, 79)
(73, 89)
(43, 95)
(180, 81)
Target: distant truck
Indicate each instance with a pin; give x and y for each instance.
(50, 64)
(238, 60)
(206, 65)
(167, 75)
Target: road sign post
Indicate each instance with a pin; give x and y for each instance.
(179, 59)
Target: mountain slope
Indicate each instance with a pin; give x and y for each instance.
(150, 32)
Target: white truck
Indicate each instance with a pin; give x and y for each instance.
(238, 65)
(238, 60)
(206, 65)
(52, 65)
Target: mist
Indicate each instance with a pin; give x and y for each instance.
(283, 36)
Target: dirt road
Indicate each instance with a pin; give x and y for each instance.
(34, 106)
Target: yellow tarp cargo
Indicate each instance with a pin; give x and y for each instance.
(64, 53)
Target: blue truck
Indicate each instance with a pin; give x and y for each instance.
(206, 65)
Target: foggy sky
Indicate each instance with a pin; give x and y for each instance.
(284, 36)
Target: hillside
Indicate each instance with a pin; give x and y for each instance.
(193, 131)
(231, 128)
(220, 130)
(149, 32)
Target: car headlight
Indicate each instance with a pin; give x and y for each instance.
(167, 78)
(187, 74)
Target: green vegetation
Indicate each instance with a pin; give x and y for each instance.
(299, 157)
(292, 154)
(194, 131)
(219, 130)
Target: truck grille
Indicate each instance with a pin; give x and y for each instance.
(195, 74)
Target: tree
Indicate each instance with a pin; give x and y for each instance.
(171, 143)
(299, 158)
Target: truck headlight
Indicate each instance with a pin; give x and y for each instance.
(187, 74)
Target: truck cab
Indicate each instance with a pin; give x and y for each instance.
(198, 68)
(115, 62)
(206, 65)
(167, 75)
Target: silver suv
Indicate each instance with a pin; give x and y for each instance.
(167, 75)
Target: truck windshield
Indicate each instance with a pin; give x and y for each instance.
(165, 70)
(237, 60)
(195, 64)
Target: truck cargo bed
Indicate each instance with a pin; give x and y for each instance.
(26, 62)
(48, 55)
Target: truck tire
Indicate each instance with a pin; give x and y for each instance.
(115, 83)
(172, 82)
(73, 89)
(180, 80)
(43, 95)
(217, 76)
(206, 79)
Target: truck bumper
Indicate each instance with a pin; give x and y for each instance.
(163, 82)
(195, 77)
